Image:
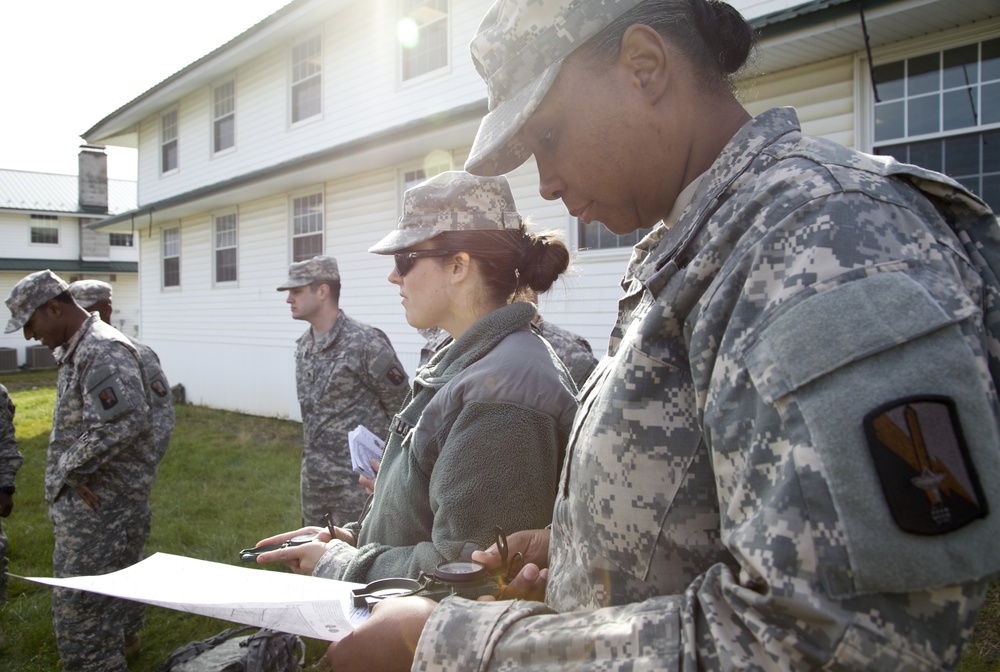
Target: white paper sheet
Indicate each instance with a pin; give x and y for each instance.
(364, 446)
(302, 605)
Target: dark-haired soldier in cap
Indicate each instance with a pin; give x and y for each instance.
(347, 374)
(95, 296)
(98, 452)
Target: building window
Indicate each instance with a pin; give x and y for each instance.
(307, 68)
(225, 248)
(942, 111)
(423, 37)
(307, 227)
(172, 257)
(120, 239)
(168, 142)
(45, 229)
(224, 116)
(595, 236)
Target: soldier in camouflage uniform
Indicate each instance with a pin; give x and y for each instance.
(347, 374)
(10, 462)
(98, 456)
(780, 465)
(95, 296)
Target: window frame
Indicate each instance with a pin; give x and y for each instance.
(407, 20)
(298, 82)
(112, 243)
(51, 227)
(231, 248)
(294, 219)
(169, 142)
(229, 114)
(918, 50)
(165, 257)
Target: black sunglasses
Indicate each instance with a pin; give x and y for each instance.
(406, 260)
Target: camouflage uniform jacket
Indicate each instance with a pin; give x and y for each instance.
(496, 396)
(574, 351)
(101, 423)
(719, 507)
(350, 377)
(10, 456)
(160, 396)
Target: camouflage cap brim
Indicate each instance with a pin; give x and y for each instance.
(28, 294)
(401, 239)
(496, 149)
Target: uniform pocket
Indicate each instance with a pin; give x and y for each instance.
(880, 352)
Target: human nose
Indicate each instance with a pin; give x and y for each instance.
(550, 185)
(394, 277)
(28, 334)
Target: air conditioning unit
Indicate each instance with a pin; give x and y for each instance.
(39, 357)
(8, 360)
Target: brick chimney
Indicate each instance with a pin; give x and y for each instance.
(93, 179)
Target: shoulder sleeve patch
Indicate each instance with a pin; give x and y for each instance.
(923, 464)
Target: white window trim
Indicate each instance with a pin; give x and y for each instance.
(303, 193)
(160, 144)
(213, 118)
(162, 258)
(291, 82)
(45, 223)
(444, 70)
(918, 46)
(215, 249)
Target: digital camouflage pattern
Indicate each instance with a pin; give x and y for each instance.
(101, 433)
(10, 462)
(28, 294)
(350, 377)
(518, 50)
(451, 201)
(574, 351)
(718, 507)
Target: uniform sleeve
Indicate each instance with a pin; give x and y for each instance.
(850, 436)
(115, 412)
(385, 374)
(471, 488)
(10, 457)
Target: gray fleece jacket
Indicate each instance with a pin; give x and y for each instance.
(479, 444)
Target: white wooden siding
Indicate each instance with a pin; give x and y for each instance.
(822, 94)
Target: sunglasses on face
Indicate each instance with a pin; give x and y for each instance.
(406, 260)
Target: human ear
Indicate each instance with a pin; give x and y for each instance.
(646, 58)
(461, 266)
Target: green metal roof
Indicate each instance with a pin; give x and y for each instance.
(69, 266)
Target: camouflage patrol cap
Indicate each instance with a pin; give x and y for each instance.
(518, 50)
(302, 273)
(451, 201)
(31, 292)
(89, 292)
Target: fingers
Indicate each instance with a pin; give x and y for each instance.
(285, 536)
(529, 584)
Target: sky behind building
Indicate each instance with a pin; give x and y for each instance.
(67, 64)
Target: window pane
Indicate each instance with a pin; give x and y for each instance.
(897, 152)
(307, 247)
(959, 109)
(991, 59)
(923, 74)
(991, 152)
(45, 235)
(961, 66)
(171, 272)
(889, 120)
(169, 156)
(927, 154)
(306, 99)
(120, 239)
(889, 78)
(225, 133)
(991, 191)
(225, 265)
(961, 156)
(923, 115)
(991, 103)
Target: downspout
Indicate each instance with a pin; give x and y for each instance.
(868, 50)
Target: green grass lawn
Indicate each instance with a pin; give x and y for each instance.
(226, 481)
